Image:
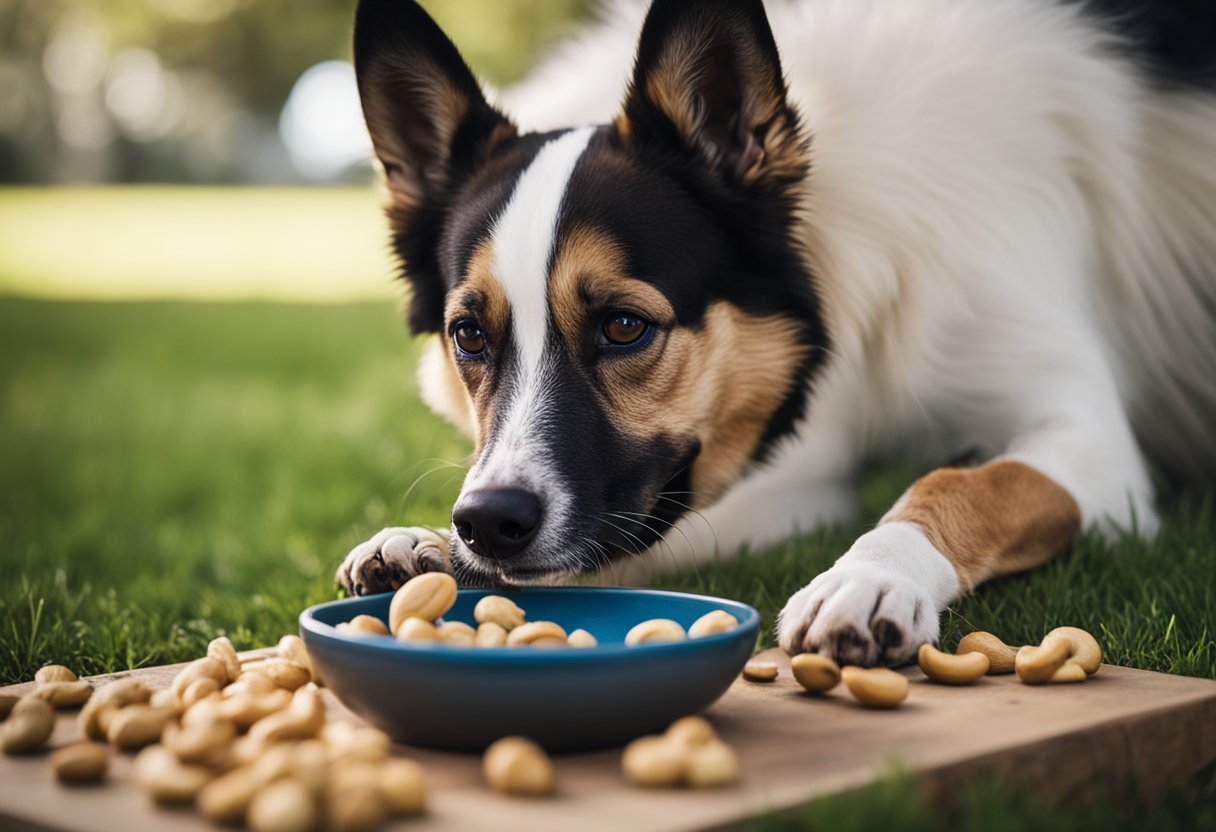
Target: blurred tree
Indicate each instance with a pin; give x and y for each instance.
(190, 90)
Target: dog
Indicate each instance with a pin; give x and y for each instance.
(963, 228)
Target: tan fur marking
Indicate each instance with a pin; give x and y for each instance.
(992, 520)
(590, 265)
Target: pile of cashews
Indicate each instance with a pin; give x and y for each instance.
(243, 741)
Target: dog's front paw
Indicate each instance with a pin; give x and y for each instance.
(877, 605)
(391, 558)
(862, 615)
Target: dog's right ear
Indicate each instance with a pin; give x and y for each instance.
(430, 126)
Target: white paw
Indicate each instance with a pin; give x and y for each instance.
(862, 615)
(877, 605)
(391, 558)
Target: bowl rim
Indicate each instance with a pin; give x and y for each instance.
(383, 647)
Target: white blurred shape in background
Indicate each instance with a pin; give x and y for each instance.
(145, 100)
(322, 125)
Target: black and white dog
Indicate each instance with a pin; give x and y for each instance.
(950, 225)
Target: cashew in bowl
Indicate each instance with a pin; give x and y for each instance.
(712, 623)
(497, 609)
(654, 631)
(426, 596)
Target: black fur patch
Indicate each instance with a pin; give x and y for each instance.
(1173, 40)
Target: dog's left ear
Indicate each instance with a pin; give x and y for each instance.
(707, 80)
(431, 128)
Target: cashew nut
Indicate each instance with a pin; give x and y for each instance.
(226, 798)
(456, 632)
(199, 689)
(1069, 672)
(136, 726)
(95, 715)
(426, 596)
(950, 668)
(301, 720)
(204, 668)
(64, 694)
(711, 764)
(654, 761)
(1036, 665)
(251, 683)
(164, 779)
(654, 631)
(582, 639)
(284, 673)
(166, 701)
(365, 624)
(354, 803)
(816, 673)
(345, 742)
(53, 673)
(1000, 655)
(535, 631)
(490, 634)
(417, 629)
(712, 623)
(201, 742)
(759, 670)
(291, 647)
(221, 650)
(517, 765)
(28, 727)
(402, 787)
(497, 609)
(1083, 648)
(84, 762)
(244, 711)
(875, 687)
(690, 730)
(688, 752)
(282, 806)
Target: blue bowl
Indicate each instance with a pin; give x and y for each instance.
(464, 698)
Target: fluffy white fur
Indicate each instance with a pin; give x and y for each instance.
(1014, 240)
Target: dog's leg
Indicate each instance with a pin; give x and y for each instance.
(957, 527)
(392, 557)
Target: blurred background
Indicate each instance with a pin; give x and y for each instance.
(243, 94)
(206, 390)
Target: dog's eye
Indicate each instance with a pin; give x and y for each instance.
(469, 338)
(623, 329)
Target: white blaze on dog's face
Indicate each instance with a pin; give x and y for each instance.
(620, 316)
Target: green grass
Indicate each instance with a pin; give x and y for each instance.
(170, 472)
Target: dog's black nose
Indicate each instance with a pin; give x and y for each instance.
(497, 522)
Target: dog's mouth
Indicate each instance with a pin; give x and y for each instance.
(582, 543)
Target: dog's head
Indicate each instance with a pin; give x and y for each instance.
(619, 314)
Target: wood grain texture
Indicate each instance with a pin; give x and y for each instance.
(1123, 729)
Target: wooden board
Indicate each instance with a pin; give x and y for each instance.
(1122, 728)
